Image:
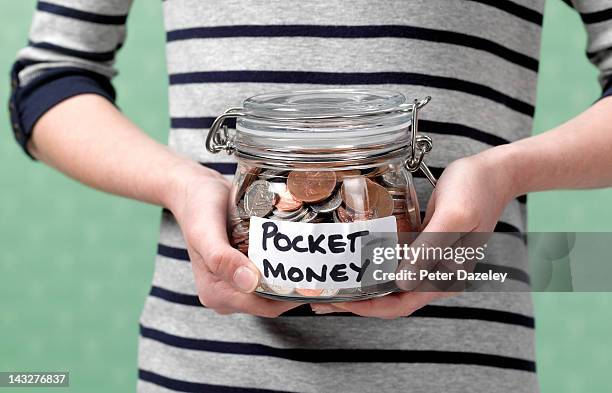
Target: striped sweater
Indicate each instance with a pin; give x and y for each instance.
(477, 58)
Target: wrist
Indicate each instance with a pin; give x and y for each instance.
(179, 178)
(503, 163)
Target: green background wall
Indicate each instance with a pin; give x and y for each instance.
(75, 264)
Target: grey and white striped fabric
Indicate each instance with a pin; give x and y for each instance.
(479, 61)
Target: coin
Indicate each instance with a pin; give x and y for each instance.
(354, 193)
(240, 232)
(328, 205)
(340, 175)
(395, 179)
(363, 216)
(243, 248)
(309, 292)
(397, 192)
(273, 175)
(299, 216)
(343, 215)
(310, 216)
(384, 203)
(281, 290)
(258, 199)
(311, 186)
(245, 176)
(330, 292)
(241, 212)
(359, 193)
(403, 224)
(282, 215)
(287, 202)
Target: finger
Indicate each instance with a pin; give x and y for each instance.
(208, 237)
(325, 308)
(429, 211)
(443, 230)
(391, 306)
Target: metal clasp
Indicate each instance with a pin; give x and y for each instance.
(420, 145)
(218, 137)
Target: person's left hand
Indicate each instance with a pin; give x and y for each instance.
(470, 196)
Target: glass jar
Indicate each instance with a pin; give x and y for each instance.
(323, 178)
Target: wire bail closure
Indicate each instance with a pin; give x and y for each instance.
(219, 138)
(420, 144)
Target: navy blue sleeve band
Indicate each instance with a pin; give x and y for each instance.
(28, 103)
(607, 90)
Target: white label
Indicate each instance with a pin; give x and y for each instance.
(321, 255)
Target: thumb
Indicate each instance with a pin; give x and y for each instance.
(208, 237)
(440, 232)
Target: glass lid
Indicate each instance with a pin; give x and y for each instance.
(322, 125)
(326, 103)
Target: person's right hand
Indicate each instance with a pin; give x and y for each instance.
(225, 278)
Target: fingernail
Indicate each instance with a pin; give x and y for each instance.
(322, 309)
(245, 279)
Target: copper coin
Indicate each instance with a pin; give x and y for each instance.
(397, 192)
(364, 216)
(384, 203)
(311, 186)
(354, 193)
(243, 248)
(344, 215)
(359, 193)
(287, 202)
(309, 292)
(403, 224)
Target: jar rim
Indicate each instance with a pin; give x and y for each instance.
(319, 104)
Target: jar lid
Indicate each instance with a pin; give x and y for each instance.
(323, 104)
(349, 126)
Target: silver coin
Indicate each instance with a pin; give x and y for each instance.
(281, 290)
(258, 199)
(330, 292)
(242, 180)
(272, 174)
(241, 212)
(299, 216)
(310, 216)
(328, 205)
(394, 179)
(283, 215)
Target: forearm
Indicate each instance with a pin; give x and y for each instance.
(88, 139)
(577, 154)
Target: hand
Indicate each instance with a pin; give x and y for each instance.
(470, 196)
(224, 277)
